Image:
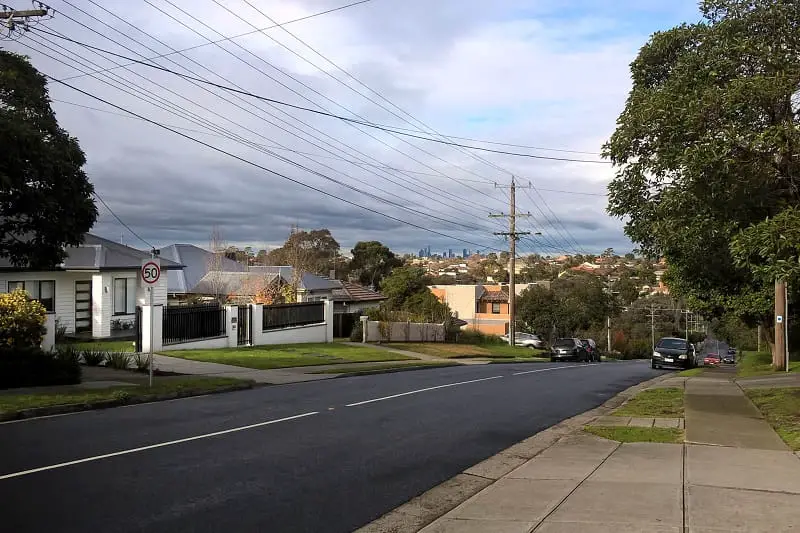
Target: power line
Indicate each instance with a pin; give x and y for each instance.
(348, 74)
(385, 128)
(251, 144)
(447, 193)
(351, 187)
(353, 4)
(265, 169)
(560, 223)
(120, 220)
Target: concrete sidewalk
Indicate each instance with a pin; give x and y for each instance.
(735, 475)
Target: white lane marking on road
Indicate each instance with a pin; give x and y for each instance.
(153, 446)
(421, 390)
(545, 369)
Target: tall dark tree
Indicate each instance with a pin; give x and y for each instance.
(307, 251)
(45, 197)
(707, 146)
(372, 261)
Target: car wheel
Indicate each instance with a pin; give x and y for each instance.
(653, 366)
(552, 359)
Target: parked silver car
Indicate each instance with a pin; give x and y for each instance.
(528, 340)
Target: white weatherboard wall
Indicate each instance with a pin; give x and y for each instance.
(64, 293)
(404, 332)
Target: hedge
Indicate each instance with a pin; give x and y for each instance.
(33, 367)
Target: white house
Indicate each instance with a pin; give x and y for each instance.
(98, 283)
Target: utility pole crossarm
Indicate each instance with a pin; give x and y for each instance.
(23, 14)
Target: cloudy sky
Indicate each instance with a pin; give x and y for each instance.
(550, 74)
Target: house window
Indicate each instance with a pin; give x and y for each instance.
(495, 309)
(124, 296)
(43, 291)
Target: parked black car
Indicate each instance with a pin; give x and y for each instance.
(569, 349)
(591, 347)
(672, 352)
(730, 357)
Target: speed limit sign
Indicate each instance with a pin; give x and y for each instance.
(151, 271)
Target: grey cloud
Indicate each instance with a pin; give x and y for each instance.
(171, 190)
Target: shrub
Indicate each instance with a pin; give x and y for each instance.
(94, 357)
(471, 336)
(357, 334)
(121, 396)
(21, 320)
(142, 362)
(637, 349)
(118, 360)
(33, 367)
(61, 332)
(68, 353)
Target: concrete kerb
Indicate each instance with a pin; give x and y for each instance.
(422, 510)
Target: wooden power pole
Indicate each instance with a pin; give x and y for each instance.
(513, 235)
(779, 353)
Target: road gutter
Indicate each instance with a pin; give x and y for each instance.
(422, 510)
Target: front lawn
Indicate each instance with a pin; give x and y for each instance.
(692, 372)
(457, 351)
(661, 403)
(636, 434)
(781, 408)
(102, 346)
(760, 364)
(290, 355)
(11, 402)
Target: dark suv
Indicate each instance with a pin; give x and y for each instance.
(568, 349)
(672, 352)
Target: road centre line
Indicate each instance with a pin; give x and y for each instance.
(421, 390)
(153, 446)
(456, 384)
(545, 369)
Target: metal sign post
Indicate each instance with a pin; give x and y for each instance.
(150, 273)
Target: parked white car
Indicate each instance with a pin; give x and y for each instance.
(528, 340)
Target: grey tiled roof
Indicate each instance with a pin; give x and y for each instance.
(196, 262)
(309, 282)
(97, 253)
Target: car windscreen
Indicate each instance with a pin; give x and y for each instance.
(564, 343)
(672, 344)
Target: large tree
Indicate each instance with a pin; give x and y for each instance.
(307, 251)
(708, 145)
(572, 304)
(45, 197)
(372, 261)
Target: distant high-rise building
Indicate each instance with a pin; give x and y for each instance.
(465, 253)
(450, 253)
(421, 253)
(429, 250)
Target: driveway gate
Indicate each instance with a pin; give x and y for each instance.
(244, 333)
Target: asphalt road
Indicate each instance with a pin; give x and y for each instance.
(321, 456)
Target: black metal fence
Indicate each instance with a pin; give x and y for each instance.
(292, 315)
(193, 322)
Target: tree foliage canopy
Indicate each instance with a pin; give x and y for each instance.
(307, 251)
(372, 261)
(707, 145)
(45, 197)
